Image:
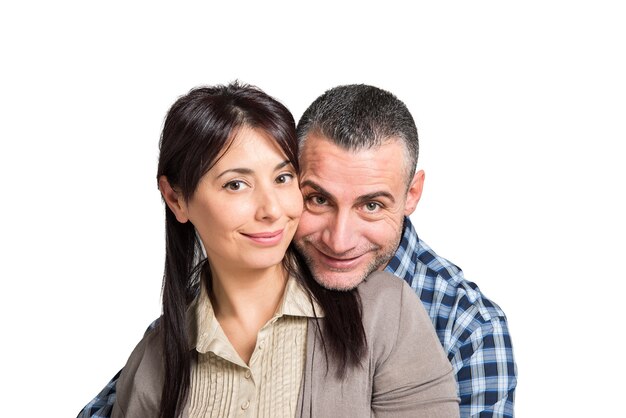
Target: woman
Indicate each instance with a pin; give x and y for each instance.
(245, 329)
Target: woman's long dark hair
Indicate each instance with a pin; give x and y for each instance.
(198, 128)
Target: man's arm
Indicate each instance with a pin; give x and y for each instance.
(486, 372)
(102, 405)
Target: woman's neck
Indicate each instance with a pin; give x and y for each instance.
(244, 301)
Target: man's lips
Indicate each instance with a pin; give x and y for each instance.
(265, 238)
(336, 263)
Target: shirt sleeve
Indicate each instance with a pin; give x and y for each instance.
(486, 371)
(102, 405)
(415, 377)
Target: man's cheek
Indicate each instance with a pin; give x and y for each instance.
(307, 225)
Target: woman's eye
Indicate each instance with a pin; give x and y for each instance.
(234, 185)
(284, 178)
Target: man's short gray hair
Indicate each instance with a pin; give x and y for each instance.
(358, 116)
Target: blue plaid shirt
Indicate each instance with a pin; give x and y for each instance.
(471, 328)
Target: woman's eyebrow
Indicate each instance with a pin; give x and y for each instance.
(283, 164)
(243, 170)
(239, 170)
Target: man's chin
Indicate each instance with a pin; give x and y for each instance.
(334, 280)
(336, 274)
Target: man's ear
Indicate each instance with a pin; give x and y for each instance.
(414, 193)
(174, 200)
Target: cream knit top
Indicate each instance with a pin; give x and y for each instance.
(222, 385)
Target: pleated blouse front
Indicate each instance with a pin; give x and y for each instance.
(224, 385)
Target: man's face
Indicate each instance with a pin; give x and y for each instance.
(354, 206)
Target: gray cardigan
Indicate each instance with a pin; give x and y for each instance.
(405, 372)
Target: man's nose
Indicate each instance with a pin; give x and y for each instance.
(339, 235)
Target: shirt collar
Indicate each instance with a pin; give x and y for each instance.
(205, 333)
(404, 261)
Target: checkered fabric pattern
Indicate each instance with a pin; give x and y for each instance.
(472, 329)
(102, 405)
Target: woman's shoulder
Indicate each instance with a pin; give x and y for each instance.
(140, 384)
(411, 373)
(384, 294)
(389, 308)
(148, 351)
(380, 281)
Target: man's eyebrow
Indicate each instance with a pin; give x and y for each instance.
(376, 195)
(364, 198)
(241, 170)
(316, 187)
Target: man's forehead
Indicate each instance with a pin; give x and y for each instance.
(340, 171)
(317, 145)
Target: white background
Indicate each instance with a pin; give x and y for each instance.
(521, 114)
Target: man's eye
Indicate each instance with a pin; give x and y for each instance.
(372, 206)
(234, 185)
(319, 200)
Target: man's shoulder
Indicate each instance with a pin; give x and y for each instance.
(472, 329)
(443, 283)
(450, 299)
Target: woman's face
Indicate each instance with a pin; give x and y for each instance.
(246, 208)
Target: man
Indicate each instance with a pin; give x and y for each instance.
(358, 153)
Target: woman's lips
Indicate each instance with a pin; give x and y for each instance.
(265, 238)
